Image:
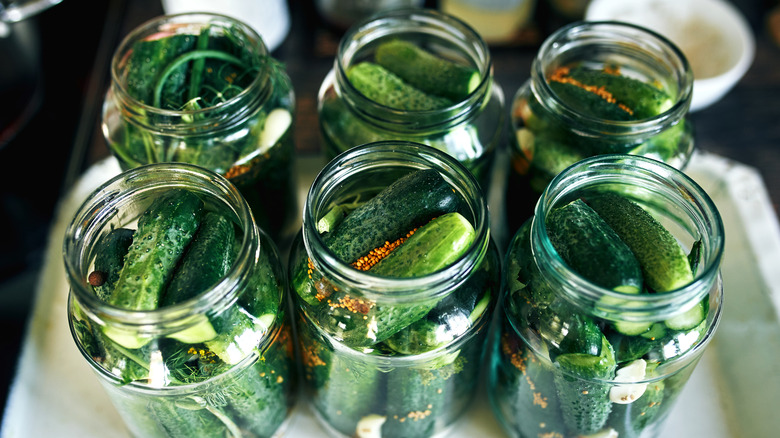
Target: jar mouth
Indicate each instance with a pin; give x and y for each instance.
(398, 156)
(434, 27)
(612, 42)
(107, 208)
(234, 108)
(643, 179)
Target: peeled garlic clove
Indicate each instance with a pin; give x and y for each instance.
(370, 426)
(632, 372)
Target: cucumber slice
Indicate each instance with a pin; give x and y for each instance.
(691, 318)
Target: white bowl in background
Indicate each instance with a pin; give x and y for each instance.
(714, 36)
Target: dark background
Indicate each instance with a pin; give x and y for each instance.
(54, 71)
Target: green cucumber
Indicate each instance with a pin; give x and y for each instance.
(350, 390)
(644, 100)
(431, 248)
(415, 398)
(385, 88)
(426, 71)
(407, 203)
(588, 102)
(665, 265)
(592, 249)
(109, 259)
(546, 153)
(164, 231)
(185, 417)
(258, 395)
(585, 403)
(568, 332)
(206, 260)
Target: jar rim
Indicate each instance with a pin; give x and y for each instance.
(646, 42)
(235, 108)
(105, 203)
(409, 155)
(420, 21)
(662, 180)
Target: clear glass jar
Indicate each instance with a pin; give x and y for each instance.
(236, 120)
(467, 128)
(398, 357)
(637, 349)
(219, 363)
(595, 88)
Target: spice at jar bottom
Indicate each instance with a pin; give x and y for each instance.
(178, 305)
(612, 291)
(395, 280)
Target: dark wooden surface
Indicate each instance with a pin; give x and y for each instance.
(77, 39)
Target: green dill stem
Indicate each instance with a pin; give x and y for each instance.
(186, 57)
(198, 65)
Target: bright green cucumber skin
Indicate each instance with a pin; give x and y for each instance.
(426, 71)
(384, 87)
(110, 258)
(665, 265)
(431, 248)
(588, 244)
(407, 203)
(206, 260)
(164, 231)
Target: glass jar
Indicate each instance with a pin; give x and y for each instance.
(467, 127)
(202, 88)
(215, 363)
(395, 356)
(596, 88)
(572, 358)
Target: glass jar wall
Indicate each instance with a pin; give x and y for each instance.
(612, 290)
(202, 89)
(596, 88)
(178, 304)
(414, 75)
(393, 347)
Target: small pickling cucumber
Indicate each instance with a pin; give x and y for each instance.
(427, 71)
(109, 259)
(431, 248)
(207, 259)
(385, 88)
(567, 331)
(585, 402)
(415, 398)
(183, 417)
(407, 203)
(546, 153)
(665, 265)
(592, 248)
(164, 231)
(643, 100)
